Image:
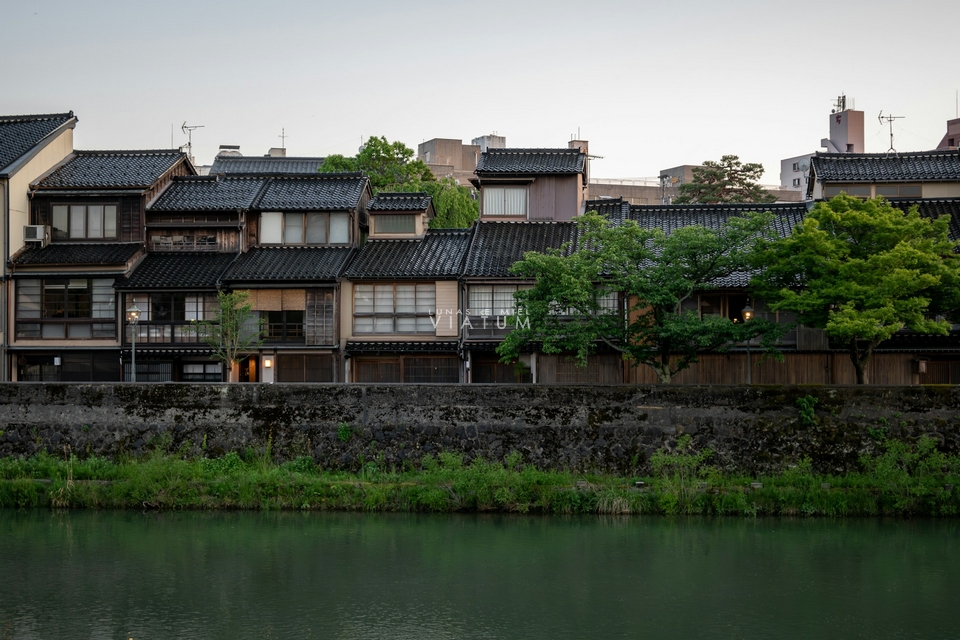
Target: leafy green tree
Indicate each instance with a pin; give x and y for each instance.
(862, 270)
(231, 334)
(387, 164)
(391, 167)
(454, 204)
(726, 181)
(655, 273)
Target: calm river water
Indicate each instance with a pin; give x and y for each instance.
(358, 576)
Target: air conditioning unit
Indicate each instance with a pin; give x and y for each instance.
(36, 233)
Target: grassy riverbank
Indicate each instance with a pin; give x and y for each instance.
(906, 480)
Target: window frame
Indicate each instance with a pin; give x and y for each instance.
(304, 228)
(489, 190)
(65, 235)
(395, 315)
(82, 312)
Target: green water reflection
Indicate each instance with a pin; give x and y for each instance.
(358, 576)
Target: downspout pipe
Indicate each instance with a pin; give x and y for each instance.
(5, 306)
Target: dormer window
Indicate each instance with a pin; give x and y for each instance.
(304, 228)
(505, 201)
(84, 221)
(395, 223)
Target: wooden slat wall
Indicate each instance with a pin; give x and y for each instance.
(447, 325)
(796, 368)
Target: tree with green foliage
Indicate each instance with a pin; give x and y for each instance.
(391, 166)
(454, 204)
(725, 181)
(863, 270)
(231, 334)
(387, 164)
(655, 273)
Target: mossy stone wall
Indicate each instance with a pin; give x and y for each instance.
(752, 429)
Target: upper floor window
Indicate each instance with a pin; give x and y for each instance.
(304, 228)
(899, 190)
(796, 166)
(394, 223)
(84, 221)
(394, 308)
(493, 299)
(505, 201)
(76, 308)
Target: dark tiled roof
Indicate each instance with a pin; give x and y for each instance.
(209, 193)
(374, 348)
(89, 253)
(289, 263)
(244, 164)
(882, 167)
(712, 216)
(19, 134)
(181, 270)
(112, 169)
(615, 209)
(934, 208)
(526, 161)
(497, 245)
(399, 202)
(324, 191)
(670, 217)
(439, 254)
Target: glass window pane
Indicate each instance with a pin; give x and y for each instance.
(271, 224)
(407, 325)
(426, 298)
(363, 298)
(425, 325)
(78, 299)
(363, 325)
(888, 190)
(95, 221)
(339, 228)
(104, 304)
(406, 298)
(79, 331)
(61, 228)
(493, 201)
(383, 325)
(77, 215)
(396, 223)
(293, 228)
(54, 330)
(383, 298)
(316, 228)
(910, 191)
(109, 221)
(481, 300)
(54, 298)
(503, 302)
(515, 201)
(28, 299)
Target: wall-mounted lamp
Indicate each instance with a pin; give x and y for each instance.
(268, 363)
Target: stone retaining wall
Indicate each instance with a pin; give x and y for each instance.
(604, 428)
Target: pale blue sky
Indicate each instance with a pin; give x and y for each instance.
(650, 84)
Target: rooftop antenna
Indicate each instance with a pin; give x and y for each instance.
(840, 104)
(188, 129)
(890, 120)
(283, 138)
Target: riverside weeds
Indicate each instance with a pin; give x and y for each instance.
(906, 479)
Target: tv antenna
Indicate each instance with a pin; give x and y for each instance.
(840, 104)
(889, 119)
(188, 129)
(283, 138)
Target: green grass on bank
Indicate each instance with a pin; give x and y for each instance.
(907, 479)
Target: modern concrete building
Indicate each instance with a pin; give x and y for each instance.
(846, 136)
